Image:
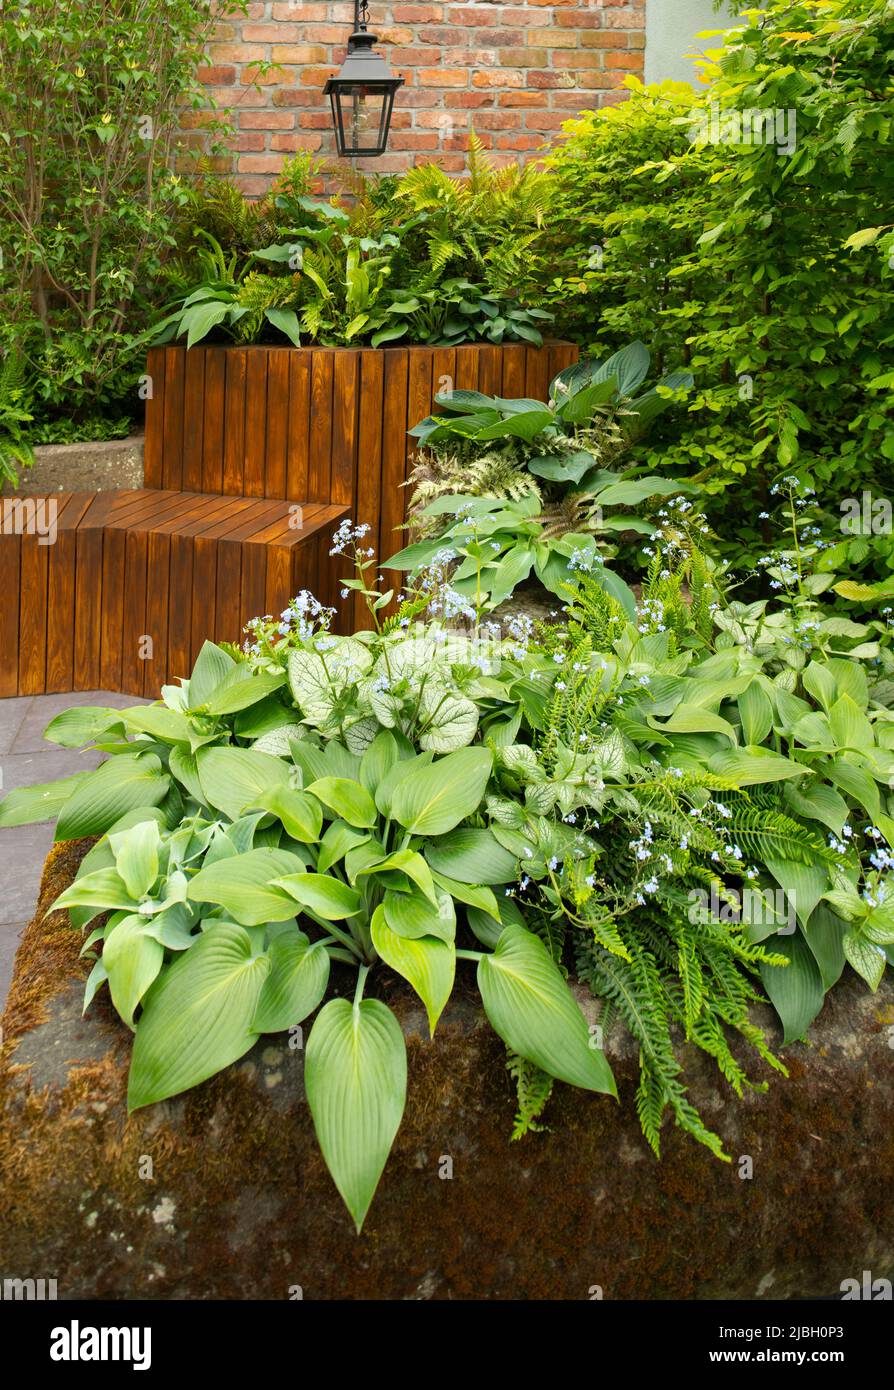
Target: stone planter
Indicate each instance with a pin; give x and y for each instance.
(95, 467)
(222, 1193)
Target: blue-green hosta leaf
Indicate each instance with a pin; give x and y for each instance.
(448, 721)
(473, 895)
(74, 728)
(427, 962)
(232, 779)
(185, 769)
(795, 990)
(355, 1074)
(299, 812)
(405, 861)
(532, 1009)
(26, 805)
(856, 782)
(197, 1018)
(245, 885)
(472, 856)
(328, 897)
(411, 915)
(102, 889)
(347, 799)
(850, 727)
(299, 974)
(803, 884)
(751, 766)
(136, 856)
(212, 665)
(336, 843)
(824, 934)
(756, 713)
(241, 688)
(820, 683)
(132, 959)
(167, 725)
(385, 790)
(378, 759)
(432, 800)
(119, 785)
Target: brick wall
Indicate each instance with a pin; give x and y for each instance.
(512, 71)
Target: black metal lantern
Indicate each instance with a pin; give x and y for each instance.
(362, 94)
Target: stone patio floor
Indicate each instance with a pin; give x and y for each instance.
(25, 759)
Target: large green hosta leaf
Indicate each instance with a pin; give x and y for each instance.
(432, 800)
(795, 990)
(427, 962)
(243, 885)
(530, 1006)
(198, 1018)
(233, 779)
(44, 801)
(132, 959)
(119, 785)
(297, 982)
(355, 1074)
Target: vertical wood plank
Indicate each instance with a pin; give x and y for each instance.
(135, 629)
(298, 444)
(153, 449)
(112, 608)
(180, 607)
(319, 479)
(254, 582)
(228, 598)
(172, 460)
(443, 374)
(158, 558)
(193, 419)
(420, 395)
(88, 609)
(33, 617)
(255, 422)
(61, 611)
(277, 422)
(490, 369)
(345, 414)
(204, 593)
(369, 463)
(513, 370)
(213, 419)
(278, 583)
(10, 578)
(466, 369)
(561, 355)
(537, 373)
(394, 450)
(234, 421)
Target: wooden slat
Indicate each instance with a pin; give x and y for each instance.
(561, 355)
(466, 369)
(193, 419)
(10, 580)
(255, 423)
(112, 615)
(134, 646)
(158, 559)
(254, 582)
(228, 597)
(443, 374)
(278, 584)
(179, 611)
(490, 370)
(345, 415)
(61, 588)
(319, 478)
(172, 456)
(203, 595)
(369, 462)
(153, 449)
(298, 443)
(88, 608)
(234, 420)
(277, 422)
(537, 373)
(513, 370)
(33, 617)
(213, 419)
(394, 450)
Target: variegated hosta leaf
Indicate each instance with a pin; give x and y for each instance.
(541, 799)
(505, 812)
(609, 756)
(450, 721)
(316, 681)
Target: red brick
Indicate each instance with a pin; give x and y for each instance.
(519, 142)
(323, 33)
(417, 14)
(589, 58)
(412, 140)
(298, 53)
(630, 61)
(524, 58)
(416, 57)
(503, 77)
(266, 120)
(216, 76)
(291, 143)
(449, 38)
(498, 120)
(520, 99)
(260, 163)
(443, 77)
(603, 38)
(450, 163)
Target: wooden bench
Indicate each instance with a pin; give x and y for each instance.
(132, 582)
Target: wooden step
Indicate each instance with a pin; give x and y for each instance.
(118, 590)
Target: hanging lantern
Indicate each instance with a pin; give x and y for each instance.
(362, 95)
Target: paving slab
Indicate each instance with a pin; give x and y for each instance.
(25, 760)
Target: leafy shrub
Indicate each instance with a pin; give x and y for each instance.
(767, 272)
(91, 93)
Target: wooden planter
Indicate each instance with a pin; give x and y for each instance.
(317, 424)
